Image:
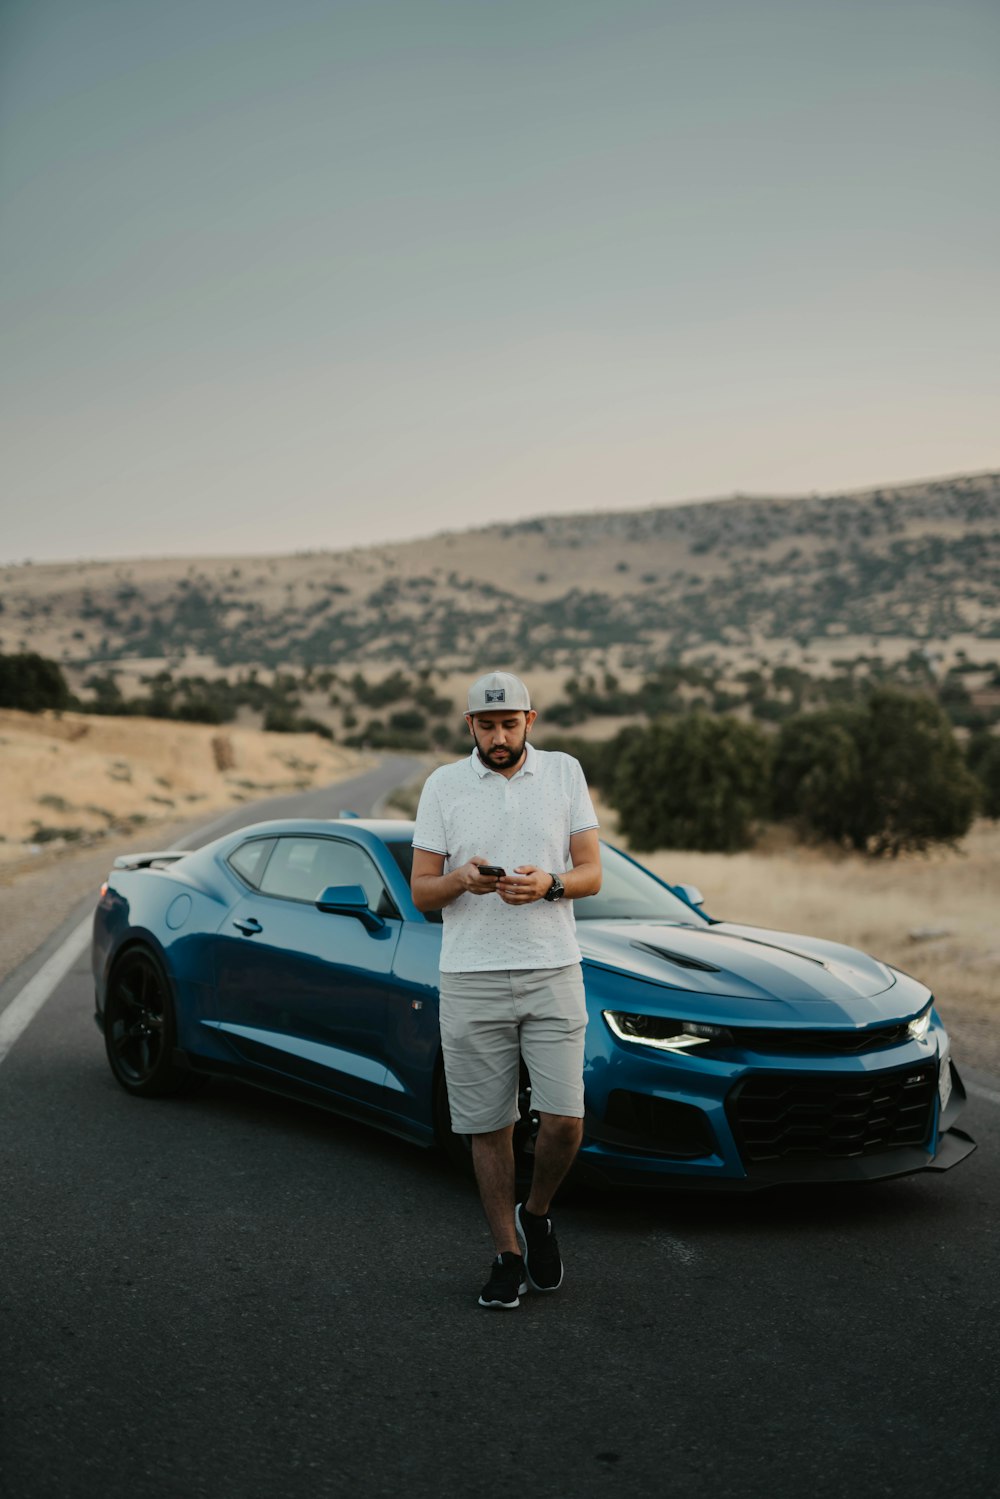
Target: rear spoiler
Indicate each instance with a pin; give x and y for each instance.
(151, 861)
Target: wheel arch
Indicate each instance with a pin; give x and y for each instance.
(134, 938)
(140, 1030)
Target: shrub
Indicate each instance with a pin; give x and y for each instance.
(107, 694)
(309, 725)
(32, 683)
(817, 772)
(916, 789)
(201, 710)
(884, 776)
(598, 757)
(378, 694)
(282, 719)
(407, 721)
(694, 782)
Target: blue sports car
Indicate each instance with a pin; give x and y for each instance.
(290, 954)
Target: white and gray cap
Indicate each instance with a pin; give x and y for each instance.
(496, 691)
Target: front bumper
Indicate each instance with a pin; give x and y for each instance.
(693, 1139)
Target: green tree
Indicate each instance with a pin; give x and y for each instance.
(32, 683)
(916, 789)
(281, 720)
(599, 758)
(407, 721)
(883, 776)
(818, 772)
(196, 709)
(107, 694)
(693, 782)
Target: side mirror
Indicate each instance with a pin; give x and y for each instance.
(349, 900)
(691, 894)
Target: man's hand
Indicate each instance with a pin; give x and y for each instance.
(526, 884)
(432, 888)
(474, 883)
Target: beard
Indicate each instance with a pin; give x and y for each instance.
(502, 756)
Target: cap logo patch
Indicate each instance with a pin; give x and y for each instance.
(495, 694)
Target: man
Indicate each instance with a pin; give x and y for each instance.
(504, 842)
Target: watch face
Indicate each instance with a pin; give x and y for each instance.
(556, 889)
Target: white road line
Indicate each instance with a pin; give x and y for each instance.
(22, 1010)
(990, 1094)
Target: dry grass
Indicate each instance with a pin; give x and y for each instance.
(934, 915)
(78, 776)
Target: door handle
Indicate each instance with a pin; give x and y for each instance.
(250, 925)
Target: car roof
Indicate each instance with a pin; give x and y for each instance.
(390, 829)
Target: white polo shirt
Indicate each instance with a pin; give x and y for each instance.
(469, 811)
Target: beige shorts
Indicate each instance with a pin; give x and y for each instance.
(489, 1021)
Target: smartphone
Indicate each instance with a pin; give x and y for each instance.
(492, 869)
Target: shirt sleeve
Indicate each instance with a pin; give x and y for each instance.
(582, 814)
(429, 831)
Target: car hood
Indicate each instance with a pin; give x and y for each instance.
(748, 975)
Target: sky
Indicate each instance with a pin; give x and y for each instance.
(324, 273)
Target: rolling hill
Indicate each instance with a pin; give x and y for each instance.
(759, 577)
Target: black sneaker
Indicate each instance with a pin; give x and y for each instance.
(506, 1283)
(540, 1249)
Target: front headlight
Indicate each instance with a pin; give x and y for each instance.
(665, 1035)
(918, 1028)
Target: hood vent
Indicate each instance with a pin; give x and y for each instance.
(681, 959)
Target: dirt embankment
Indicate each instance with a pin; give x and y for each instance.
(74, 778)
(75, 790)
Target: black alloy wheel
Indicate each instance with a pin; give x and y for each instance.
(139, 1027)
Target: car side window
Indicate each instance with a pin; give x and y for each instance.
(250, 858)
(302, 868)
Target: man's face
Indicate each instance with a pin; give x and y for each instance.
(500, 737)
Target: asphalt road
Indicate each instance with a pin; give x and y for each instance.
(232, 1295)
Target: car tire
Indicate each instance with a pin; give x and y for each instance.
(458, 1148)
(140, 1028)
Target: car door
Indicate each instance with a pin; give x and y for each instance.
(300, 991)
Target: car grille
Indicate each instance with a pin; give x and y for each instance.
(843, 1043)
(781, 1116)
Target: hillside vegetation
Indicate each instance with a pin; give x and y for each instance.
(625, 589)
(829, 662)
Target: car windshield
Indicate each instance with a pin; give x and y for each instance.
(627, 892)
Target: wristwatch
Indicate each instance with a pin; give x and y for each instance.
(556, 891)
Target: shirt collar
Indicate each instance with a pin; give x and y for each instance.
(527, 769)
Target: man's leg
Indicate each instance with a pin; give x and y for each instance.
(493, 1159)
(479, 1040)
(559, 1137)
(552, 1041)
